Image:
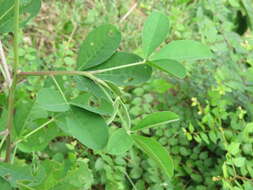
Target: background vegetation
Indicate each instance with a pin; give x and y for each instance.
(212, 145)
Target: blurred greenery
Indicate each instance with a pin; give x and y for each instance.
(212, 145)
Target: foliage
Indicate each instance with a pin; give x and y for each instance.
(210, 145)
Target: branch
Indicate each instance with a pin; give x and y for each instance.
(83, 73)
(11, 95)
(54, 73)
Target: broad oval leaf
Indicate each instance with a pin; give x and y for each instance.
(52, 100)
(133, 75)
(90, 103)
(89, 128)
(154, 33)
(183, 50)
(29, 8)
(119, 142)
(100, 44)
(156, 119)
(169, 66)
(157, 152)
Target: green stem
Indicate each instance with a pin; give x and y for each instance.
(118, 67)
(11, 98)
(34, 131)
(25, 186)
(61, 91)
(14, 154)
(54, 73)
(130, 180)
(83, 73)
(3, 140)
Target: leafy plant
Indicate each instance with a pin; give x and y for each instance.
(87, 113)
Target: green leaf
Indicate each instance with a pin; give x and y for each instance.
(4, 184)
(28, 8)
(89, 128)
(157, 152)
(249, 10)
(88, 85)
(79, 176)
(160, 85)
(55, 173)
(247, 133)
(156, 119)
(169, 66)
(119, 142)
(15, 174)
(133, 75)
(40, 140)
(88, 102)
(154, 33)
(99, 45)
(239, 161)
(26, 113)
(233, 148)
(52, 100)
(183, 50)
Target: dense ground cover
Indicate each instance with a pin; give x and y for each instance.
(211, 145)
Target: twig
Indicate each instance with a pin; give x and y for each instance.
(128, 13)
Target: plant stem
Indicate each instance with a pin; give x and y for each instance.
(84, 73)
(53, 73)
(11, 98)
(34, 131)
(60, 90)
(118, 67)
